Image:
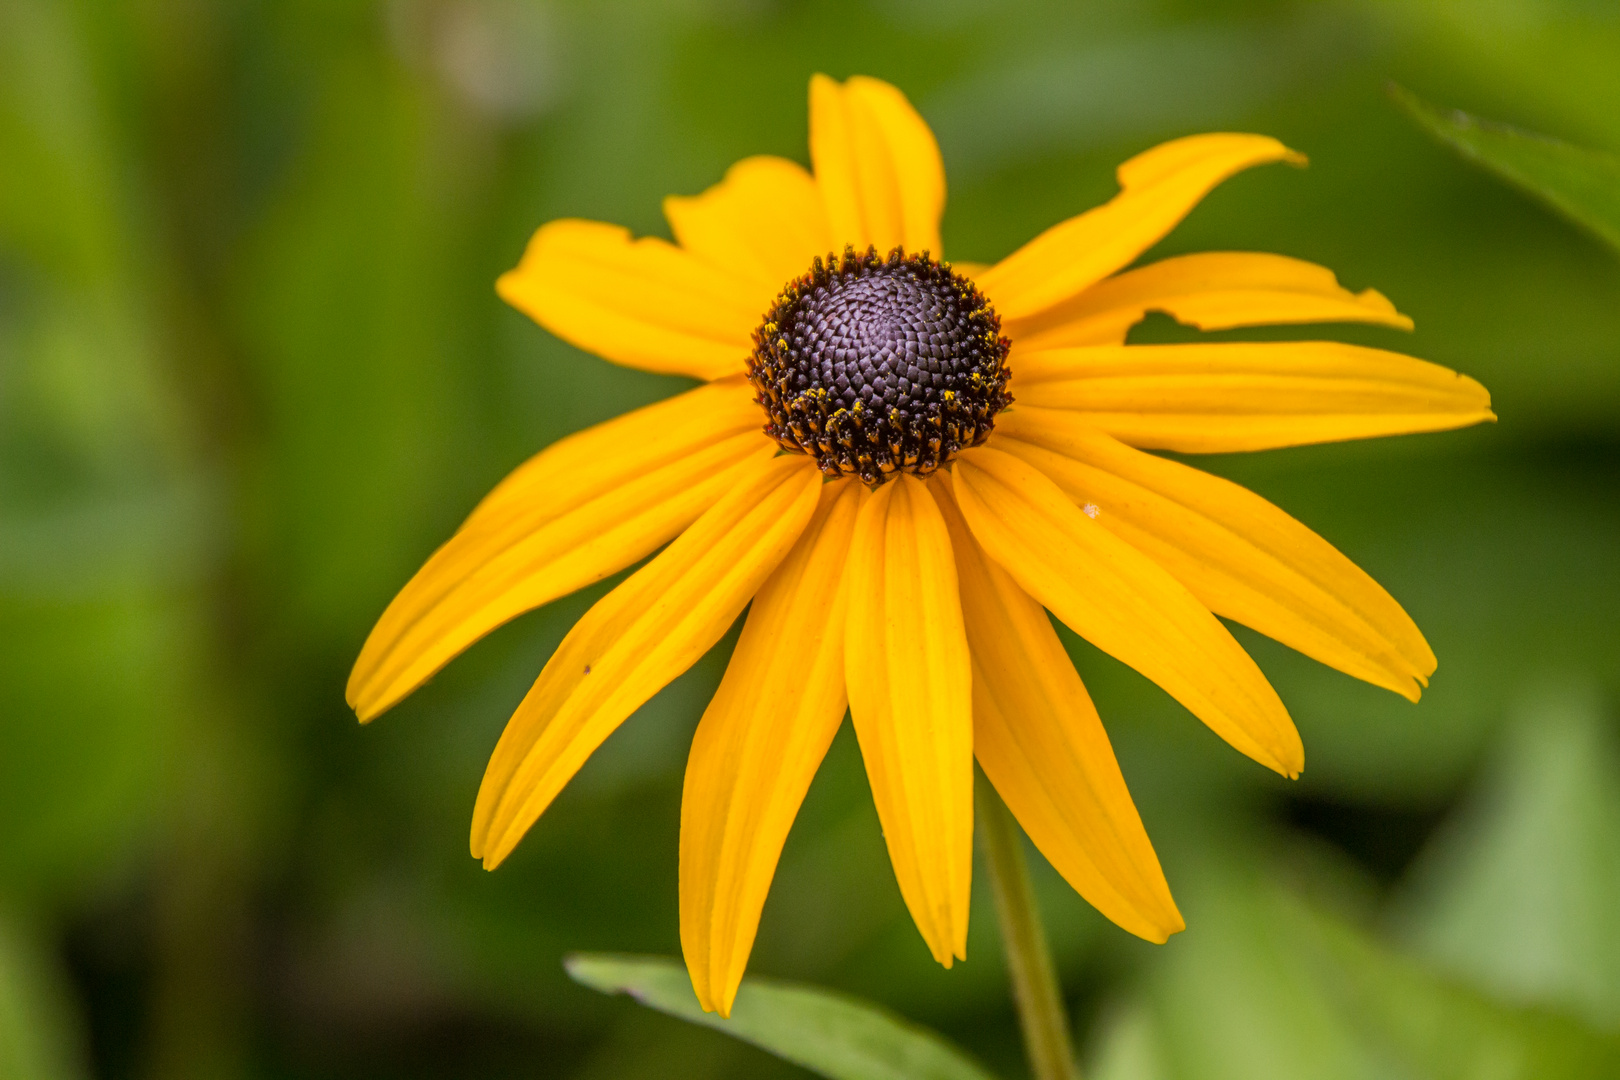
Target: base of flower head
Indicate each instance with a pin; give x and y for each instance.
(875, 366)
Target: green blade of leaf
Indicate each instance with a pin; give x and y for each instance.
(839, 1037)
(1581, 184)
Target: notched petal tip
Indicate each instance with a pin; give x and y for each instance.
(1160, 933)
(1392, 316)
(1283, 752)
(352, 696)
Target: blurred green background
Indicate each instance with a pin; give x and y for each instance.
(253, 370)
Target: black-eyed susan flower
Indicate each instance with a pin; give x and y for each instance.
(898, 466)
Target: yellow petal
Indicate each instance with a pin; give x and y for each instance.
(635, 640)
(1241, 556)
(1214, 290)
(1122, 602)
(642, 303)
(1214, 398)
(584, 508)
(1157, 189)
(878, 166)
(765, 220)
(910, 695)
(758, 745)
(1040, 741)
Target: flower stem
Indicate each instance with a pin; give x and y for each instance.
(1036, 993)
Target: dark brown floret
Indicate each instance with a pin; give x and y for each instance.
(877, 365)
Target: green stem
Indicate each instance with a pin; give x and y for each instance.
(1036, 993)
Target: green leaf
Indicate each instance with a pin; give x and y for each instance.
(1581, 184)
(836, 1036)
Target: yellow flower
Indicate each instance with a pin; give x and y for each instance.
(906, 577)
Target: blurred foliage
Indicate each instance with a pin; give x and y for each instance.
(37, 1028)
(252, 371)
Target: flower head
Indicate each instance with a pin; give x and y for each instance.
(879, 366)
(966, 450)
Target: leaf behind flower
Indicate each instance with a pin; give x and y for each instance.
(831, 1034)
(1580, 183)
